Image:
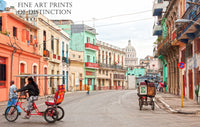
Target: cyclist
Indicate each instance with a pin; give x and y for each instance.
(33, 92)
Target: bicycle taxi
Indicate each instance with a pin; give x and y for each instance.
(53, 111)
(146, 93)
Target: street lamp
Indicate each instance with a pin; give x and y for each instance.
(186, 21)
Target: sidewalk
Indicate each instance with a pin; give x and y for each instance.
(173, 104)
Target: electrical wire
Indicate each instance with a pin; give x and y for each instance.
(114, 16)
(124, 22)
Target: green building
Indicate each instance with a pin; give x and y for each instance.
(83, 39)
(137, 72)
(165, 70)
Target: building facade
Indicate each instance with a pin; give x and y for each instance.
(179, 42)
(130, 60)
(111, 73)
(19, 53)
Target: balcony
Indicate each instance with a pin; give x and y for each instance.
(112, 66)
(58, 57)
(91, 47)
(54, 56)
(46, 53)
(157, 30)
(91, 65)
(159, 7)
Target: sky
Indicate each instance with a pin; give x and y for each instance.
(111, 30)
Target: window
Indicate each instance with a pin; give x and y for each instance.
(14, 31)
(106, 73)
(99, 71)
(52, 43)
(94, 41)
(44, 40)
(63, 81)
(103, 71)
(0, 23)
(31, 38)
(79, 56)
(58, 48)
(103, 82)
(88, 58)
(94, 61)
(3, 72)
(88, 40)
(73, 56)
(63, 52)
(35, 72)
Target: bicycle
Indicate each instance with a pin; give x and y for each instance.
(11, 112)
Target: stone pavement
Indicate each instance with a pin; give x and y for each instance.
(173, 104)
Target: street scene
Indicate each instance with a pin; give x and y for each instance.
(100, 63)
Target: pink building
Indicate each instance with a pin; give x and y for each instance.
(22, 45)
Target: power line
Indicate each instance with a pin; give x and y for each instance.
(124, 22)
(114, 16)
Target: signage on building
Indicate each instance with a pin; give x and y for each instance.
(90, 73)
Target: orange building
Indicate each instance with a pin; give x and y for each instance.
(18, 38)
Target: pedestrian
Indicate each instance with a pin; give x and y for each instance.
(88, 89)
(161, 86)
(33, 92)
(164, 86)
(13, 96)
(156, 85)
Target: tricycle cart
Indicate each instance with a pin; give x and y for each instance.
(146, 93)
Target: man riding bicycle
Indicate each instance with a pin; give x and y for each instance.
(33, 92)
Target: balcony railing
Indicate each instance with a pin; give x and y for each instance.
(157, 30)
(46, 53)
(113, 66)
(159, 7)
(91, 65)
(91, 46)
(54, 56)
(58, 57)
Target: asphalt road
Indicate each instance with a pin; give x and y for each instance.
(106, 109)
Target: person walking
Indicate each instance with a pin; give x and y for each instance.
(164, 86)
(161, 86)
(13, 97)
(88, 89)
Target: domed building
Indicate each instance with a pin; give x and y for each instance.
(130, 60)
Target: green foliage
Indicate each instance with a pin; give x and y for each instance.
(5, 33)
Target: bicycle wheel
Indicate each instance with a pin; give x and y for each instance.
(51, 115)
(11, 113)
(60, 112)
(140, 104)
(152, 105)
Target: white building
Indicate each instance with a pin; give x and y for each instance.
(130, 60)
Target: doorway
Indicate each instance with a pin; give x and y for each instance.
(190, 75)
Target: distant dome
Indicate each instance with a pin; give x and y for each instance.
(130, 48)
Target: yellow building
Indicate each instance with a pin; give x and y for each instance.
(76, 70)
(111, 73)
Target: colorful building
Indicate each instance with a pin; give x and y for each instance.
(19, 53)
(76, 57)
(111, 73)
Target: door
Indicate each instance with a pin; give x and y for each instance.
(190, 84)
(184, 84)
(80, 85)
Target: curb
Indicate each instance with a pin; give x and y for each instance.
(172, 110)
